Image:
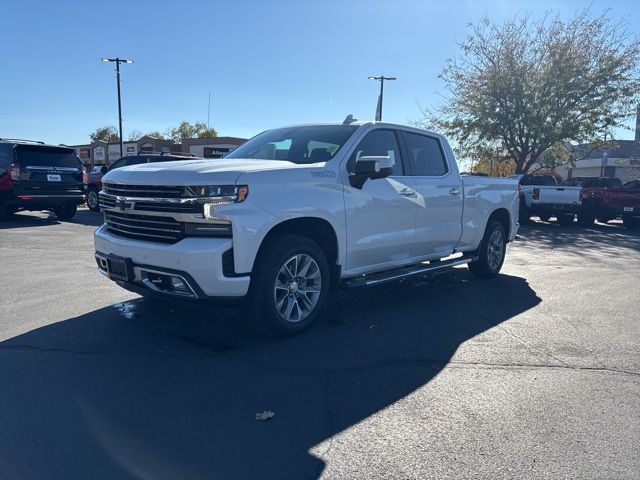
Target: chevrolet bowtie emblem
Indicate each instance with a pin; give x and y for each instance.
(121, 203)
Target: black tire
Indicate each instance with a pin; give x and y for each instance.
(586, 218)
(66, 212)
(524, 214)
(544, 217)
(5, 213)
(264, 295)
(631, 222)
(566, 219)
(92, 199)
(486, 266)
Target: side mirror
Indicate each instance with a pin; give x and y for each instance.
(103, 170)
(371, 168)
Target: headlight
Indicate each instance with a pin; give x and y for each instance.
(218, 194)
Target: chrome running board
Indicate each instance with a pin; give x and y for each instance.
(385, 276)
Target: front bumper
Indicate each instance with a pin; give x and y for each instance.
(613, 211)
(198, 261)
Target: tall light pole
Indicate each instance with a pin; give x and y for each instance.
(118, 61)
(381, 78)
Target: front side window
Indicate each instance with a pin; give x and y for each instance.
(427, 159)
(311, 144)
(379, 143)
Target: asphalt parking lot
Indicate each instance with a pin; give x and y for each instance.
(535, 374)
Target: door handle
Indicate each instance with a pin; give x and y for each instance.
(454, 191)
(407, 192)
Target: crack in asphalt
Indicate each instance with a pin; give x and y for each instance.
(531, 347)
(433, 363)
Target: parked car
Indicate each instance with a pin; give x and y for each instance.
(297, 211)
(540, 195)
(604, 199)
(36, 176)
(95, 177)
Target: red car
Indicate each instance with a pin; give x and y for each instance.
(94, 184)
(604, 199)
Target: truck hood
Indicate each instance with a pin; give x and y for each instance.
(194, 172)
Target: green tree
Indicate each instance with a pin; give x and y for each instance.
(107, 134)
(526, 86)
(134, 135)
(154, 134)
(187, 130)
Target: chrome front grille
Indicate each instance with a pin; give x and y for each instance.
(144, 227)
(149, 191)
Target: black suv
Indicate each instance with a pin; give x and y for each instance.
(95, 178)
(35, 176)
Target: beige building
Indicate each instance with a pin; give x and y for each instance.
(103, 153)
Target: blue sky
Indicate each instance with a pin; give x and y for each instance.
(266, 63)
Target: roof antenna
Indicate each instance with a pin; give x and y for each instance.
(349, 120)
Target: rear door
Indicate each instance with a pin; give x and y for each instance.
(47, 170)
(440, 196)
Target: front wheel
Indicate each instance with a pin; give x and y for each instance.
(491, 252)
(66, 212)
(92, 199)
(290, 285)
(566, 219)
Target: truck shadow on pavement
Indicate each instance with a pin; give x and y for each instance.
(45, 219)
(146, 390)
(599, 239)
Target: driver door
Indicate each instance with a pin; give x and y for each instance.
(380, 217)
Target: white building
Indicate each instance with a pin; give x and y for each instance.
(621, 161)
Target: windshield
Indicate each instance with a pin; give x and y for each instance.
(296, 144)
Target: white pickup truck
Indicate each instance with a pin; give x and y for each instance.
(296, 212)
(542, 196)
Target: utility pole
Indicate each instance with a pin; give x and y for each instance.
(118, 61)
(381, 78)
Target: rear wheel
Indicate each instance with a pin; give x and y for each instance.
(544, 217)
(92, 199)
(66, 212)
(566, 219)
(524, 214)
(586, 218)
(491, 252)
(290, 285)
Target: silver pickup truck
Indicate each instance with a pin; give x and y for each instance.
(541, 196)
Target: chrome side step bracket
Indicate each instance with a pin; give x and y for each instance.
(385, 276)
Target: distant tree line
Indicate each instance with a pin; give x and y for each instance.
(179, 133)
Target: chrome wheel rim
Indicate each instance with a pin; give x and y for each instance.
(297, 288)
(495, 250)
(92, 199)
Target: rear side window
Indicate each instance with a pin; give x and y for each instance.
(36, 156)
(6, 155)
(427, 159)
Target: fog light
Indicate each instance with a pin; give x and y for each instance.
(178, 284)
